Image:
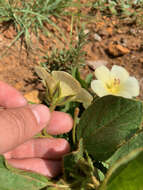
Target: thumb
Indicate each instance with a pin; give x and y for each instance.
(20, 124)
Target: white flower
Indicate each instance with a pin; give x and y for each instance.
(115, 82)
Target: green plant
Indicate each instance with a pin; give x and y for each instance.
(106, 140)
(122, 8)
(32, 16)
(67, 59)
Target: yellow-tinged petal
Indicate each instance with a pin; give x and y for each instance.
(102, 73)
(119, 73)
(124, 94)
(45, 76)
(131, 85)
(84, 97)
(69, 85)
(99, 88)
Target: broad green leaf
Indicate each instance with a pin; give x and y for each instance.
(126, 173)
(108, 123)
(134, 143)
(19, 179)
(34, 175)
(10, 180)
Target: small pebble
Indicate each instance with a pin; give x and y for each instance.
(97, 37)
(96, 63)
(86, 31)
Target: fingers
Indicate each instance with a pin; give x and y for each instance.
(47, 148)
(45, 167)
(20, 124)
(10, 97)
(60, 123)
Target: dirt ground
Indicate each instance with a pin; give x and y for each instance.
(111, 41)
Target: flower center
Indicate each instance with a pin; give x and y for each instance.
(113, 86)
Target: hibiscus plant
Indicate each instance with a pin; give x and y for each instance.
(107, 136)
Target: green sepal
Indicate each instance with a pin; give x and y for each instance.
(64, 100)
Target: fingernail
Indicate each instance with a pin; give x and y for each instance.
(41, 113)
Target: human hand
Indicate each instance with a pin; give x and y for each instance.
(19, 122)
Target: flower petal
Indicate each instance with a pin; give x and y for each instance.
(68, 84)
(119, 73)
(46, 77)
(84, 97)
(124, 94)
(98, 87)
(102, 73)
(131, 85)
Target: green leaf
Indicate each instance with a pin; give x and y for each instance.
(72, 159)
(77, 76)
(56, 92)
(88, 79)
(79, 170)
(108, 123)
(64, 100)
(10, 180)
(126, 173)
(19, 179)
(134, 143)
(2, 162)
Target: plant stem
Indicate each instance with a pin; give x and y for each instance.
(52, 107)
(76, 112)
(71, 31)
(44, 131)
(95, 181)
